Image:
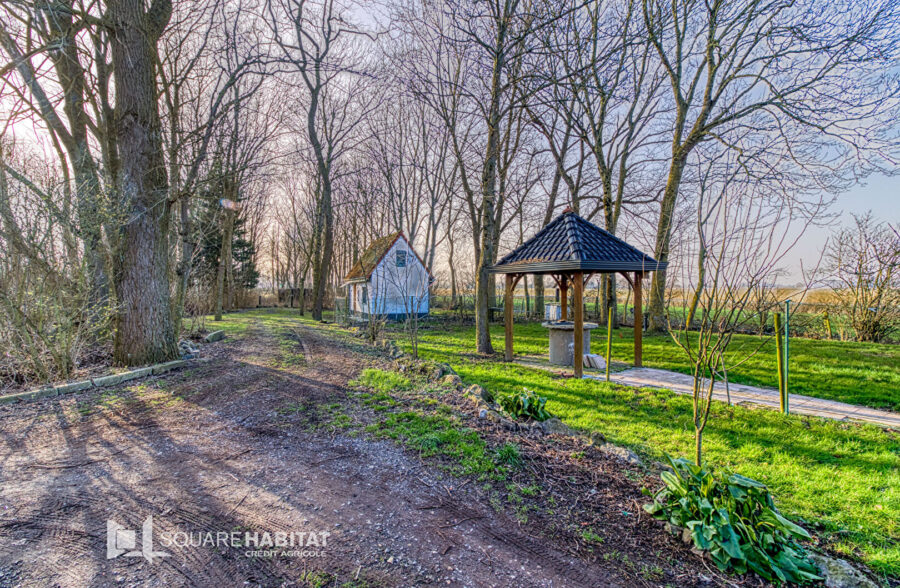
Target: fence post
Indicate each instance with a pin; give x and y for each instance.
(787, 354)
(608, 340)
(827, 320)
(779, 359)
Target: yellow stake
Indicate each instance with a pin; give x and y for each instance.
(779, 352)
(608, 342)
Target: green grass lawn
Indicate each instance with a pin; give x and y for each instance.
(236, 324)
(857, 373)
(842, 479)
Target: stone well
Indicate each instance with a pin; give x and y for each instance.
(562, 341)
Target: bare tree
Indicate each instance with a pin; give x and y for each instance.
(786, 70)
(456, 48)
(145, 331)
(29, 31)
(320, 45)
(741, 237)
(121, 155)
(863, 269)
(612, 91)
(207, 56)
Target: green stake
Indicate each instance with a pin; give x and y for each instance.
(608, 341)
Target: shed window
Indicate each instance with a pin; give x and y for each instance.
(365, 295)
(401, 258)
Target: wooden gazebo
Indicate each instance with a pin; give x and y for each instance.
(571, 250)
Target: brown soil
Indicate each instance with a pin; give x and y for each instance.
(238, 444)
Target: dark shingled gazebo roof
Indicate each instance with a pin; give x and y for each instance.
(569, 244)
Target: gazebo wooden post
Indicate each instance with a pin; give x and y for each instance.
(564, 298)
(578, 304)
(508, 315)
(638, 321)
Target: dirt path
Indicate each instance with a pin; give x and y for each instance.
(227, 447)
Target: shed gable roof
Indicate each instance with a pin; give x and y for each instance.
(571, 243)
(371, 257)
(374, 253)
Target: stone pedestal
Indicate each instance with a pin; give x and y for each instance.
(562, 341)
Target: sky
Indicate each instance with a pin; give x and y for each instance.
(878, 193)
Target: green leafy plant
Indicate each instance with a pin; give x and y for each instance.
(526, 405)
(508, 454)
(735, 520)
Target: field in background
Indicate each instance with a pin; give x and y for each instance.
(807, 319)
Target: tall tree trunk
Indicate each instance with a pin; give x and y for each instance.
(483, 281)
(656, 308)
(145, 332)
(492, 287)
(539, 296)
(322, 269)
(453, 290)
(303, 293)
(609, 300)
(229, 270)
(220, 284)
(273, 255)
(183, 270)
(224, 263)
(87, 180)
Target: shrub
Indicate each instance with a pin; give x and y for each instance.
(526, 405)
(735, 520)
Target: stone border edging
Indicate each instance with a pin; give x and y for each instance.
(214, 336)
(99, 382)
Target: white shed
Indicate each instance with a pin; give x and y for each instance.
(389, 280)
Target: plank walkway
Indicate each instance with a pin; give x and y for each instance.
(741, 394)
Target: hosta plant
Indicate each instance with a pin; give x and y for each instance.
(734, 520)
(525, 405)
